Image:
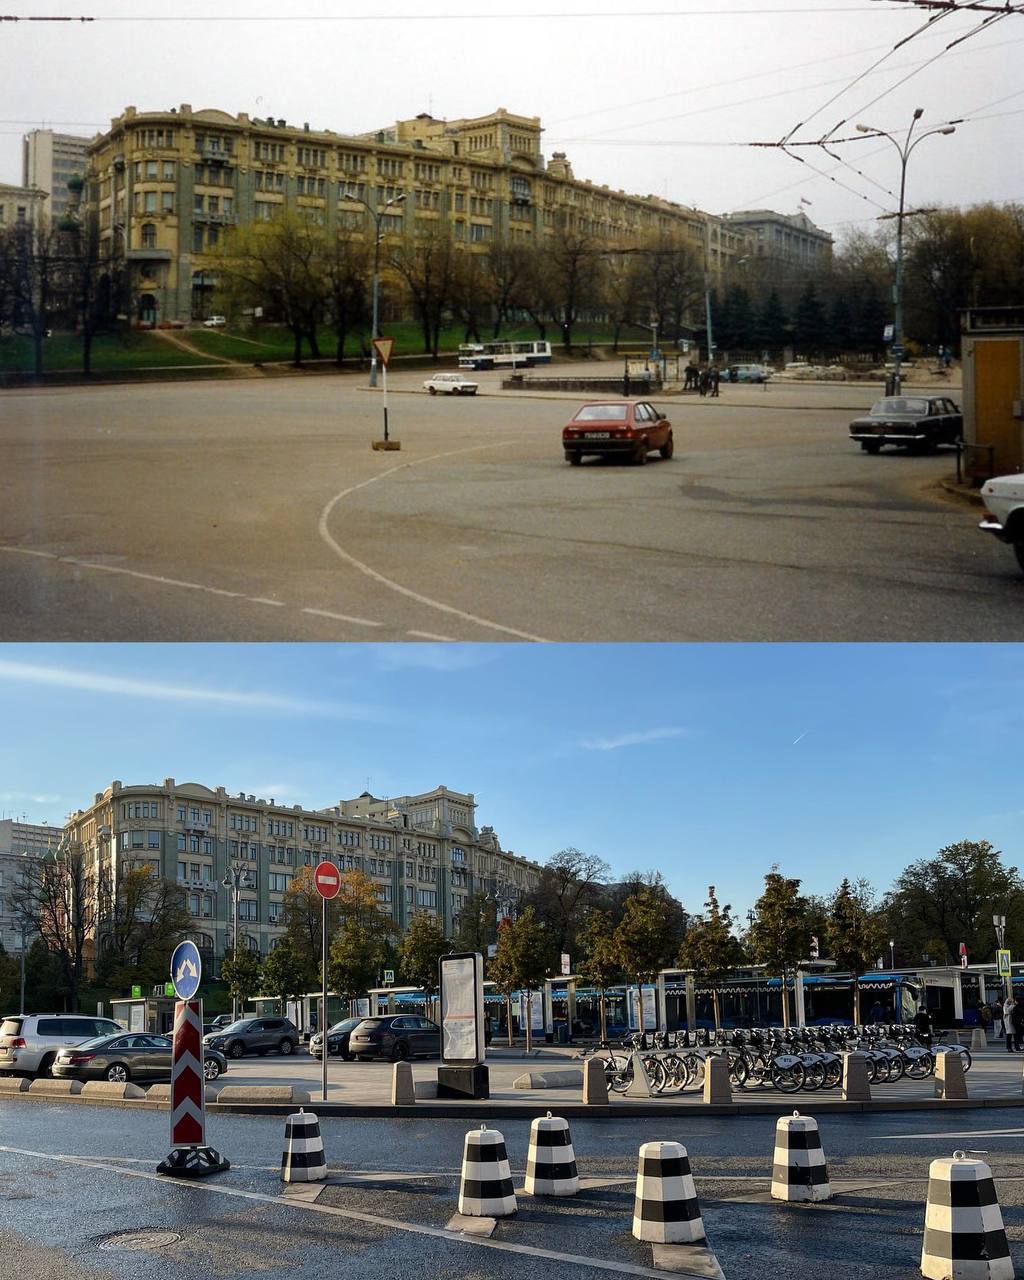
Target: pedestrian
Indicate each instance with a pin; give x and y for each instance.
(985, 1017)
(1009, 1025)
(716, 377)
(702, 382)
(877, 1013)
(923, 1023)
(1017, 1022)
(997, 1019)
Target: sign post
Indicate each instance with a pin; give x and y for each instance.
(383, 348)
(190, 1157)
(463, 1034)
(327, 879)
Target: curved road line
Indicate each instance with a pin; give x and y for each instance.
(364, 568)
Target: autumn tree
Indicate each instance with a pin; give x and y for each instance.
(361, 940)
(709, 948)
(302, 909)
(778, 933)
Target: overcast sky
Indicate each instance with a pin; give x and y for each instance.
(831, 760)
(634, 96)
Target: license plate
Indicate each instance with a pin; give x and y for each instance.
(597, 435)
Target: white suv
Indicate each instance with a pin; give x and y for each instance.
(1004, 497)
(29, 1042)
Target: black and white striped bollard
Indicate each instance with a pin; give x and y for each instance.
(303, 1159)
(799, 1171)
(964, 1237)
(666, 1209)
(486, 1190)
(551, 1162)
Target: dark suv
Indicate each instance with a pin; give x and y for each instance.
(397, 1036)
(255, 1035)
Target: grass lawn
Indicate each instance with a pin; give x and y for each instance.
(110, 352)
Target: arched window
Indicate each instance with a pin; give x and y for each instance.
(251, 942)
(148, 235)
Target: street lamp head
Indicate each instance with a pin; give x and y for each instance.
(918, 112)
(948, 129)
(865, 128)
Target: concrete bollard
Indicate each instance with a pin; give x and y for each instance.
(964, 1237)
(403, 1088)
(979, 1040)
(856, 1087)
(595, 1083)
(666, 1209)
(799, 1171)
(950, 1081)
(717, 1087)
(485, 1189)
(551, 1162)
(303, 1159)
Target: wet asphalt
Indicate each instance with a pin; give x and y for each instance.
(395, 1180)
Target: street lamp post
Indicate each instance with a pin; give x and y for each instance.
(892, 953)
(707, 288)
(237, 878)
(1000, 927)
(904, 153)
(377, 216)
(21, 953)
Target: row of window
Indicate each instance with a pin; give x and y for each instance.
(212, 204)
(153, 201)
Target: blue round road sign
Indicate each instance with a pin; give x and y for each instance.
(186, 970)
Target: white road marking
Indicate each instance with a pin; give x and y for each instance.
(390, 583)
(263, 600)
(370, 1219)
(343, 617)
(954, 1133)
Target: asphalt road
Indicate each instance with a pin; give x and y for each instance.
(74, 1177)
(256, 510)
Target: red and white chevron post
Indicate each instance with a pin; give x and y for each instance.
(190, 1157)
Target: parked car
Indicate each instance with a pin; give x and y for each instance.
(748, 373)
(609, 427)
(127, 1056)
(218, 1023)
(255, 1035)
(450, 384)
(215, 322)
(396, 1036)
(29, 1042)
(337, 1040)
(913, 422)
(1004, 497)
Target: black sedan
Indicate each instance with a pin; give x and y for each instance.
(337, 1039)
(124, 1057)
(920, 423)
(396, 1036)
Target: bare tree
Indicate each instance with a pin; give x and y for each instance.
(141, 917)
(58, 899)
(427, 264)
(346, 273)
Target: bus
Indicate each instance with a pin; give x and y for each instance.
(503, 355)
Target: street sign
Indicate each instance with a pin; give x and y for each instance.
(389, 977)
(168, 988)
(383, 347)
(887, 333)
(1003, 964)
(327, 879)
(897, 350)
(186, 970)
(963, 962)
(566, 964)
(136, 992)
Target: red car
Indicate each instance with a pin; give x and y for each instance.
(607, 427)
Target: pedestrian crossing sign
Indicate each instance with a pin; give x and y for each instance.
(1003, 963)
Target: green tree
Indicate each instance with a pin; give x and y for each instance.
(854, 932)
(241, 973)
(141, 920)
(937, 903)
(476, 924)
(809, 320)
(778, 933)
(771, 329)
(520, 963)
(645, 938)
(709, 948)
(599, 962)
(420, 952)
(286, 972)
(357, 954)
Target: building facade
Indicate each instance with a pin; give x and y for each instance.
(21, 206)
(790, 239)
(48, 161)
(19, 842)
(165, 186)
(423, 853)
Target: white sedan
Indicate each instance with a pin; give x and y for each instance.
(1004, 497)
(450, 384)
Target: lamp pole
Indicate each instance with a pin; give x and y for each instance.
(1000, 927)
(21, 938)
(237, 878)
(904, 153)
(377, 216)
(707, 288)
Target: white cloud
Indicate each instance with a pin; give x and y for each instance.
(434, 657)
(631, 739)
(159, 690)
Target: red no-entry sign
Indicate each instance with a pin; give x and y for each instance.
(327, 879)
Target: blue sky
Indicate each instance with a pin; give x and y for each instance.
(706, 762)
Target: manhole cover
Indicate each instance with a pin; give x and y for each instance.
(140, 1241)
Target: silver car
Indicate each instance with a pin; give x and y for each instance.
(29, 1042)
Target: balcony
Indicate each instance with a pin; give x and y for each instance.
(155, 255)
(215, 155)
